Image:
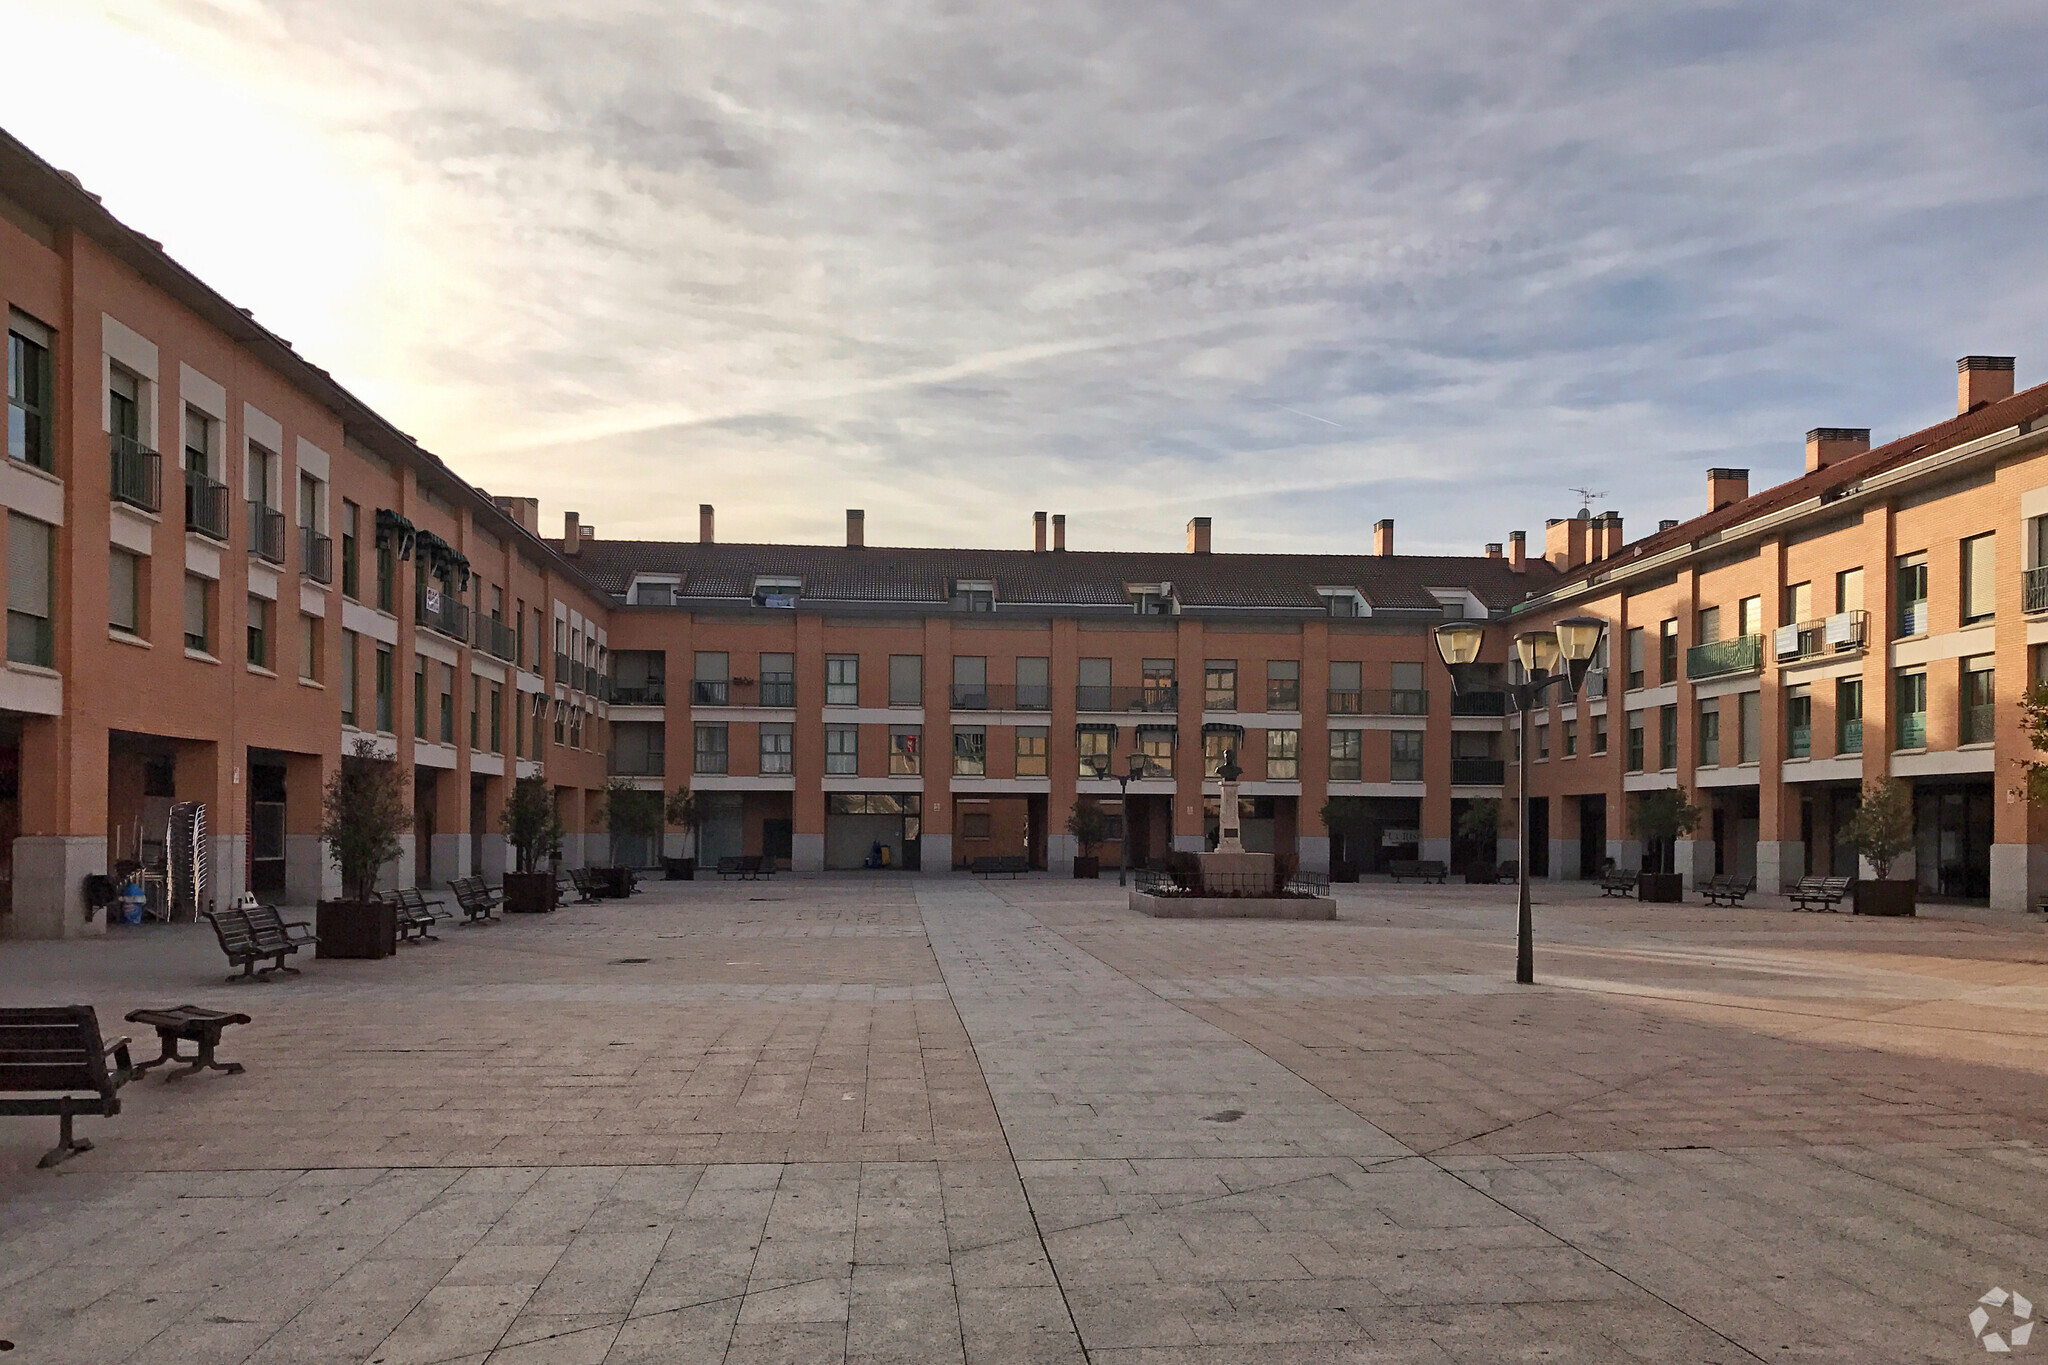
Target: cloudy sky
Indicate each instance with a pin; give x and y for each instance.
(1296, 267)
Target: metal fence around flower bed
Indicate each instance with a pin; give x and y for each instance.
(1231, 885)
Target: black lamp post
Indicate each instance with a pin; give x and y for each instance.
(1575, 641)
(1123, 786)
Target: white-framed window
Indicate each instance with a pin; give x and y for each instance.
(842, 680)
(777, 748)
(842, 750)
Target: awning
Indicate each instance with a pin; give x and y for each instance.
(1217, 727)
(396, 531)
(1154, 730)
(1097, 727)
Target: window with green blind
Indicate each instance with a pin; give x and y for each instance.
(1910, 689)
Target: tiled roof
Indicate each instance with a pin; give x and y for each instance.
(1059, 578)
(2022, 408)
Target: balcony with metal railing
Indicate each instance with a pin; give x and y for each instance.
(1725, 658)
(1001, 697)
(1846, 632)
(206, 506)
(1479, 704)
(441, 612)
(496, 639)
(2034, 589)
(1380, 701)
(1112, 700)
(137, 474)
(266, 532)
(562, 669)
(316, 555)
(1478, 772)
(653, 692)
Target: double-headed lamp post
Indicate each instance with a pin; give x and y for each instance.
(1123, 786)
(1575, 641)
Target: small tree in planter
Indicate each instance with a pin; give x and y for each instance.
(1662, 817)
(629, 813)
(533, 827)
(365, 815)
(1090, 827)
(1881, 831)
(682, 811)
(1339, 819)
(1479, 823)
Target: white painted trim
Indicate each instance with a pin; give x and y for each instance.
(434, 647)
(432, 754)
(1739, 775)
(1016, 720)
(726, 782)
(489, 765)
(34, 691)
(263, 582)
(1956, 644)
(1943, 762)
(1839, 768)
(1643, 698)
(131, 528)
(655, 714)
(1473, 724)
(1405, 722)
(1264, 720)
(532, 682)
(386, 745)
(1728, 687)
(1412, 789)
(314, 461)
(312, 601)
(483, 666)
(128, 348)
(202, 557)
(205, 394)
(368, 622)
(831, 715)
(263, 429)
(1479, 793)
(1797, 674)
(898, 783)
(31, 491)
(1649, 782)
(1274, 788)
(1144, 786)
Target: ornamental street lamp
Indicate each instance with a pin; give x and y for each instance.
(1574, 641)
(1100, 763)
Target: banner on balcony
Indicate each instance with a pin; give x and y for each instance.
(1785, 641)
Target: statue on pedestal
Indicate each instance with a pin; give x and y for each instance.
(1228, 834)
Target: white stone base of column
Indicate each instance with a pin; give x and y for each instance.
(1779, 863)
(1314, 852)
(227, 870)
(1694, 860)
(497, 857)
(1059, 854)
(1625, 854)
(398, 873)
(597, 850)
(49, 887)
(572, 851)
(2019, 876)
(1436, 850)
(934, 855)
(1564, 860)
(1190, 843)
(307, 869)
(450, 858)
(807, 852)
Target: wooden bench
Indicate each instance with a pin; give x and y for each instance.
(1728, 890)
(1000, 865)
(245, 947)
(1615, 882)
(584, 885)
(417, 912)
(1819, 893)
(1425, 869)
(750, 867)
(53, 1063)
(479, 904)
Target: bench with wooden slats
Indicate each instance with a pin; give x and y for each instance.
(245, 946)
(1727, 890)
(476, 899)
(273, 929)
(1819, 893)
(585, 885)
(53, 1063)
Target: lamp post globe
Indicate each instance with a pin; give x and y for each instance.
(1458, 643)
(1579, 636)
(1538, 650)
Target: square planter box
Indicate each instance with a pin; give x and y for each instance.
(350, 929)
(679, 869)
(529, 893)
(1893, 897)
(615, 882)
(1660, 887)
(1088, 868)
(1343, 872)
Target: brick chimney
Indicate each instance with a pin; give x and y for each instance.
(525, 511)
(1518, 551)
(1198, 535)
(704, 528)
(572, 533)
(1825, 445)
(1565, 541)
(1614, 536)
(589, 535)
(1059, 530)
(1982, 379)
(1383, 536)
(1493, 549)
(1725, 486)
(1038, 532)
(856, 528)
(1668, 524)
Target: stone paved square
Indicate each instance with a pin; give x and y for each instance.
(890, 1118)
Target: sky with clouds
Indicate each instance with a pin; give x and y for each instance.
(1295, 267)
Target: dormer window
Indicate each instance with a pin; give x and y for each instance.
(1343, 602)
(1458, 603)
(1153, 599)
(654, 591)
(778, 592)
(971, 594)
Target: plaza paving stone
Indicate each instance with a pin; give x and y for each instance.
(929, 1119)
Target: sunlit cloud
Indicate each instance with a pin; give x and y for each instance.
(1294, 269)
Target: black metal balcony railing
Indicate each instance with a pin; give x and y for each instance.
(1843, 633)
(636, 765)
(653, 692)
(266, 532)
(778, 691)
(316, 555)
(562, 669)
(138, 474)
(1479, 704)
(442, 612)
(711, 692)
(1478, 772)
(1400, 701)
(1001, 697)
(2034, 589)
(206, 506)
(1100, 699)
(496, 639)
(1724, 658)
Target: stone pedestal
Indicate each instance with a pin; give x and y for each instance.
(1244, 874)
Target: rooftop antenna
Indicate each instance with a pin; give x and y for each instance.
(1587, 497)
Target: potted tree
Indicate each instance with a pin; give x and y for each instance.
(1479, 823)
(1881, 831)
(1090, 828)
(1661, 817)
(533, 827)
(629, 815)
(682, 811)
(364, 816)
(1339, 820)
